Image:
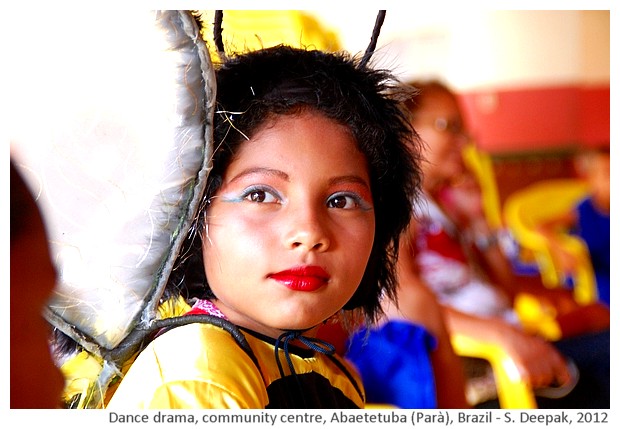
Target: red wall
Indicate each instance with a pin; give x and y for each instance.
(534, 119)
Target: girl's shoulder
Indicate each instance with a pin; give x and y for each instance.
(206, 344)
(197, 357)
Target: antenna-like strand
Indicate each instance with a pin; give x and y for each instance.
(373, 40)
(217, 34)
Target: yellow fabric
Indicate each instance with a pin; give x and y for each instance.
(201, 366)
(173, 308)
(248, 30)
(80, 372)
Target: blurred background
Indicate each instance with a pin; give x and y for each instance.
(535, 84)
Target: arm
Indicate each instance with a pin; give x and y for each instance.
(462, 202)
(537, 361)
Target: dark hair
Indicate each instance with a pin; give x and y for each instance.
(424, 88)
(255, 87)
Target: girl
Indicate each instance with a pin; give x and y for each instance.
(315, 167)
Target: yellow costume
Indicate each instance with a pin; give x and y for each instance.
(201, 365)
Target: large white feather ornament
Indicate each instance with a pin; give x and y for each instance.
(112, 131)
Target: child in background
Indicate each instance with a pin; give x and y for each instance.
(315, 168)
(589, 220)
(478, 302)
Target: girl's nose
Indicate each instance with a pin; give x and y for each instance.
(307, 229)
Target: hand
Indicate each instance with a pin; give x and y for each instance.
(538, 362)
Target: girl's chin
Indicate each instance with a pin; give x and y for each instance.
(304, 327)
(276, 328)
(299, 317)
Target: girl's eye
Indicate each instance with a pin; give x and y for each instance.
(260, 196)
(347, 201)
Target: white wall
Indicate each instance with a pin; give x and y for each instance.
(477, 48)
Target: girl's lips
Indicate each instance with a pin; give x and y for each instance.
(307, 279)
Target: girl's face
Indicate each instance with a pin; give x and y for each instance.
(440, 125)
(290, 231)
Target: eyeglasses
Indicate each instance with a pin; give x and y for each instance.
(444, 125)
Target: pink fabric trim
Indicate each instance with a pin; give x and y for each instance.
(204, 306)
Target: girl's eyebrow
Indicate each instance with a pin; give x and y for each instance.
(352, 178)
(260, 170)
(349, 179)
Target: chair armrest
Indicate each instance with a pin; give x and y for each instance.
(512, 390)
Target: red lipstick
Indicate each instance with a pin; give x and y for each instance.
(305, 279)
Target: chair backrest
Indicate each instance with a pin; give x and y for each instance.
(481, 164)
(531, 206)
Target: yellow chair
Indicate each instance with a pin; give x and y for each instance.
(512, 391)
(481, 164)
(535, 204)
